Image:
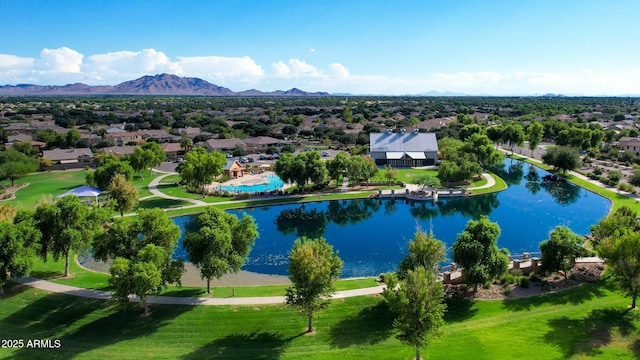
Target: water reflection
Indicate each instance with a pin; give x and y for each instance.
(372, 235)
(533, 180)
(562, 191)
(511, 171)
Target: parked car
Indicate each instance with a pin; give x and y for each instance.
(250, 159)
(229, 156)
(324, 153)
(262, 157)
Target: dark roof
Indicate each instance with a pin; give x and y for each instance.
(67, 154)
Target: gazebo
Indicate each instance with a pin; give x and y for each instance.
(83, 191)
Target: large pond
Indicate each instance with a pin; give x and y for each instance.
(372, 235)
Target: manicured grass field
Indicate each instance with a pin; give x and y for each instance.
(588, 322)
(404, 174)
(46, 185)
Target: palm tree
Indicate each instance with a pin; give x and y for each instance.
(186, 143)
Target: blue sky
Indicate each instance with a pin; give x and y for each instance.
(499, 47)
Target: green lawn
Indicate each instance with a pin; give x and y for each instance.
(46, 185)
(588, 322)
(142, 184)
(404, 174)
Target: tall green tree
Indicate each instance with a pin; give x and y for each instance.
(201, 167)
(418, 302)
(186, 143)
(361, 168)
(313, 270)
(482, 149)
(424, 251)
(68, 225)
(104, 173)
(535, 131)
(560, 251)
(14, 165)
(127, 236)
(123, 193)
(494, 133)
(140, 276)
(476, 251)
(621, 220)
(18, 247)
(513, 135)
(622, 255)
(337, 166)
(425, 180)
(562, 158)
(158, 154)
(219, 243)
(301, 168)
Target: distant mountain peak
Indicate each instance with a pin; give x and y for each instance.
(160, 84)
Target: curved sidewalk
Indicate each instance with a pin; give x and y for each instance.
(174, 300)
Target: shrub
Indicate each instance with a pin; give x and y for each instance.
(545, 285)
(506, 289)
(524, 282)
(626, 187)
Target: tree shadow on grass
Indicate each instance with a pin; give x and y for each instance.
(12, 289)
(371, 325)
(459, 309)
(586, 336)
(575, 296)
(100, 324)
(161, 203)
(186, 292)
(255, 345)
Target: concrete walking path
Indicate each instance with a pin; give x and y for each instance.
(174, 300)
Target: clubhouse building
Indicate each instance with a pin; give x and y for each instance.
(404, 149)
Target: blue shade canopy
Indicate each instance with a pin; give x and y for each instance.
(83, 191)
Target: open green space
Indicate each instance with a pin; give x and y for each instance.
(586, 322)
(45, 185)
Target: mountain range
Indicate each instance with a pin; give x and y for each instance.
(162, 84)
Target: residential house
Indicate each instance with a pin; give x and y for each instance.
(39, 145)
(223, 144)
(18, 128)
(627, 143)
(233, 168)
(262, 142)
(173, 150)
(69, 156)
(160, 134)
(118, 150)
(404, 149)
(124, 138)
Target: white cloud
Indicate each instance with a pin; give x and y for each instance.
(339, 70)
(219, 68)
(281, 69)
(64, 65)
(312, 50)
(60, 60)
(300, 68)
(146, 61)
(15, 62)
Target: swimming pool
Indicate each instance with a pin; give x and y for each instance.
(268, 183)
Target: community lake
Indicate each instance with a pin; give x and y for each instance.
(372, 235)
